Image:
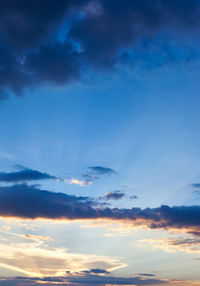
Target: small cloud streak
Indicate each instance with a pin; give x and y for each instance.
(189, 245)
(38, 237)
(116, 195)
(133, 197)
(74, 181)
(147, 274)
(99, 170)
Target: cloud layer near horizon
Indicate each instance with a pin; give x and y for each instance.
(30, 202)
(51, 42)
(87, 279)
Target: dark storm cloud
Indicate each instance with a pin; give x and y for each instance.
(120, 25)
(24, 175)
(27, 24)
(57, 63)
(55, 41)
(31, 202)
(86, 279)
(116, 195)
(24, 27)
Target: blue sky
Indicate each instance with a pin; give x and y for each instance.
(99, 146)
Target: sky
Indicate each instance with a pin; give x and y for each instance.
(99, 145)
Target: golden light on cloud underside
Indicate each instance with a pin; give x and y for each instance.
(36, 259)
(186, 244)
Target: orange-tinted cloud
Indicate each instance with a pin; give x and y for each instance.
(29, 202)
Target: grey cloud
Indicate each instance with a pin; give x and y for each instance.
(24, 174)
(146, 274)
(116, 195)
(86, 279)
(133, 197)
(99, 170)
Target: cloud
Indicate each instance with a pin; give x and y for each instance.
(116, 195)
(133, 197)
(96, 271)
(85, 281)
(37, 237)
(30, 202)
(196, 186)
(54, 64)
(81, 183)
(99, 170)
(189, 244)
(54, 43)
(24, 174)
(88, 178)
(146, 274)
(78, 279)
(35, 258)
(122, 25)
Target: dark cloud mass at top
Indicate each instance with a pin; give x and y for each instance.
(50, 42)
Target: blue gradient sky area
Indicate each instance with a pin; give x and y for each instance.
(99, 124)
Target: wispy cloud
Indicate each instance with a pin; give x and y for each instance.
(99, 170)
(35, 258)
(5, 155)
(184, 244)
(195, 185)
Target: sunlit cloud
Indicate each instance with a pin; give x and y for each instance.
(34, 258)
(75, 181)
(186, 244)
